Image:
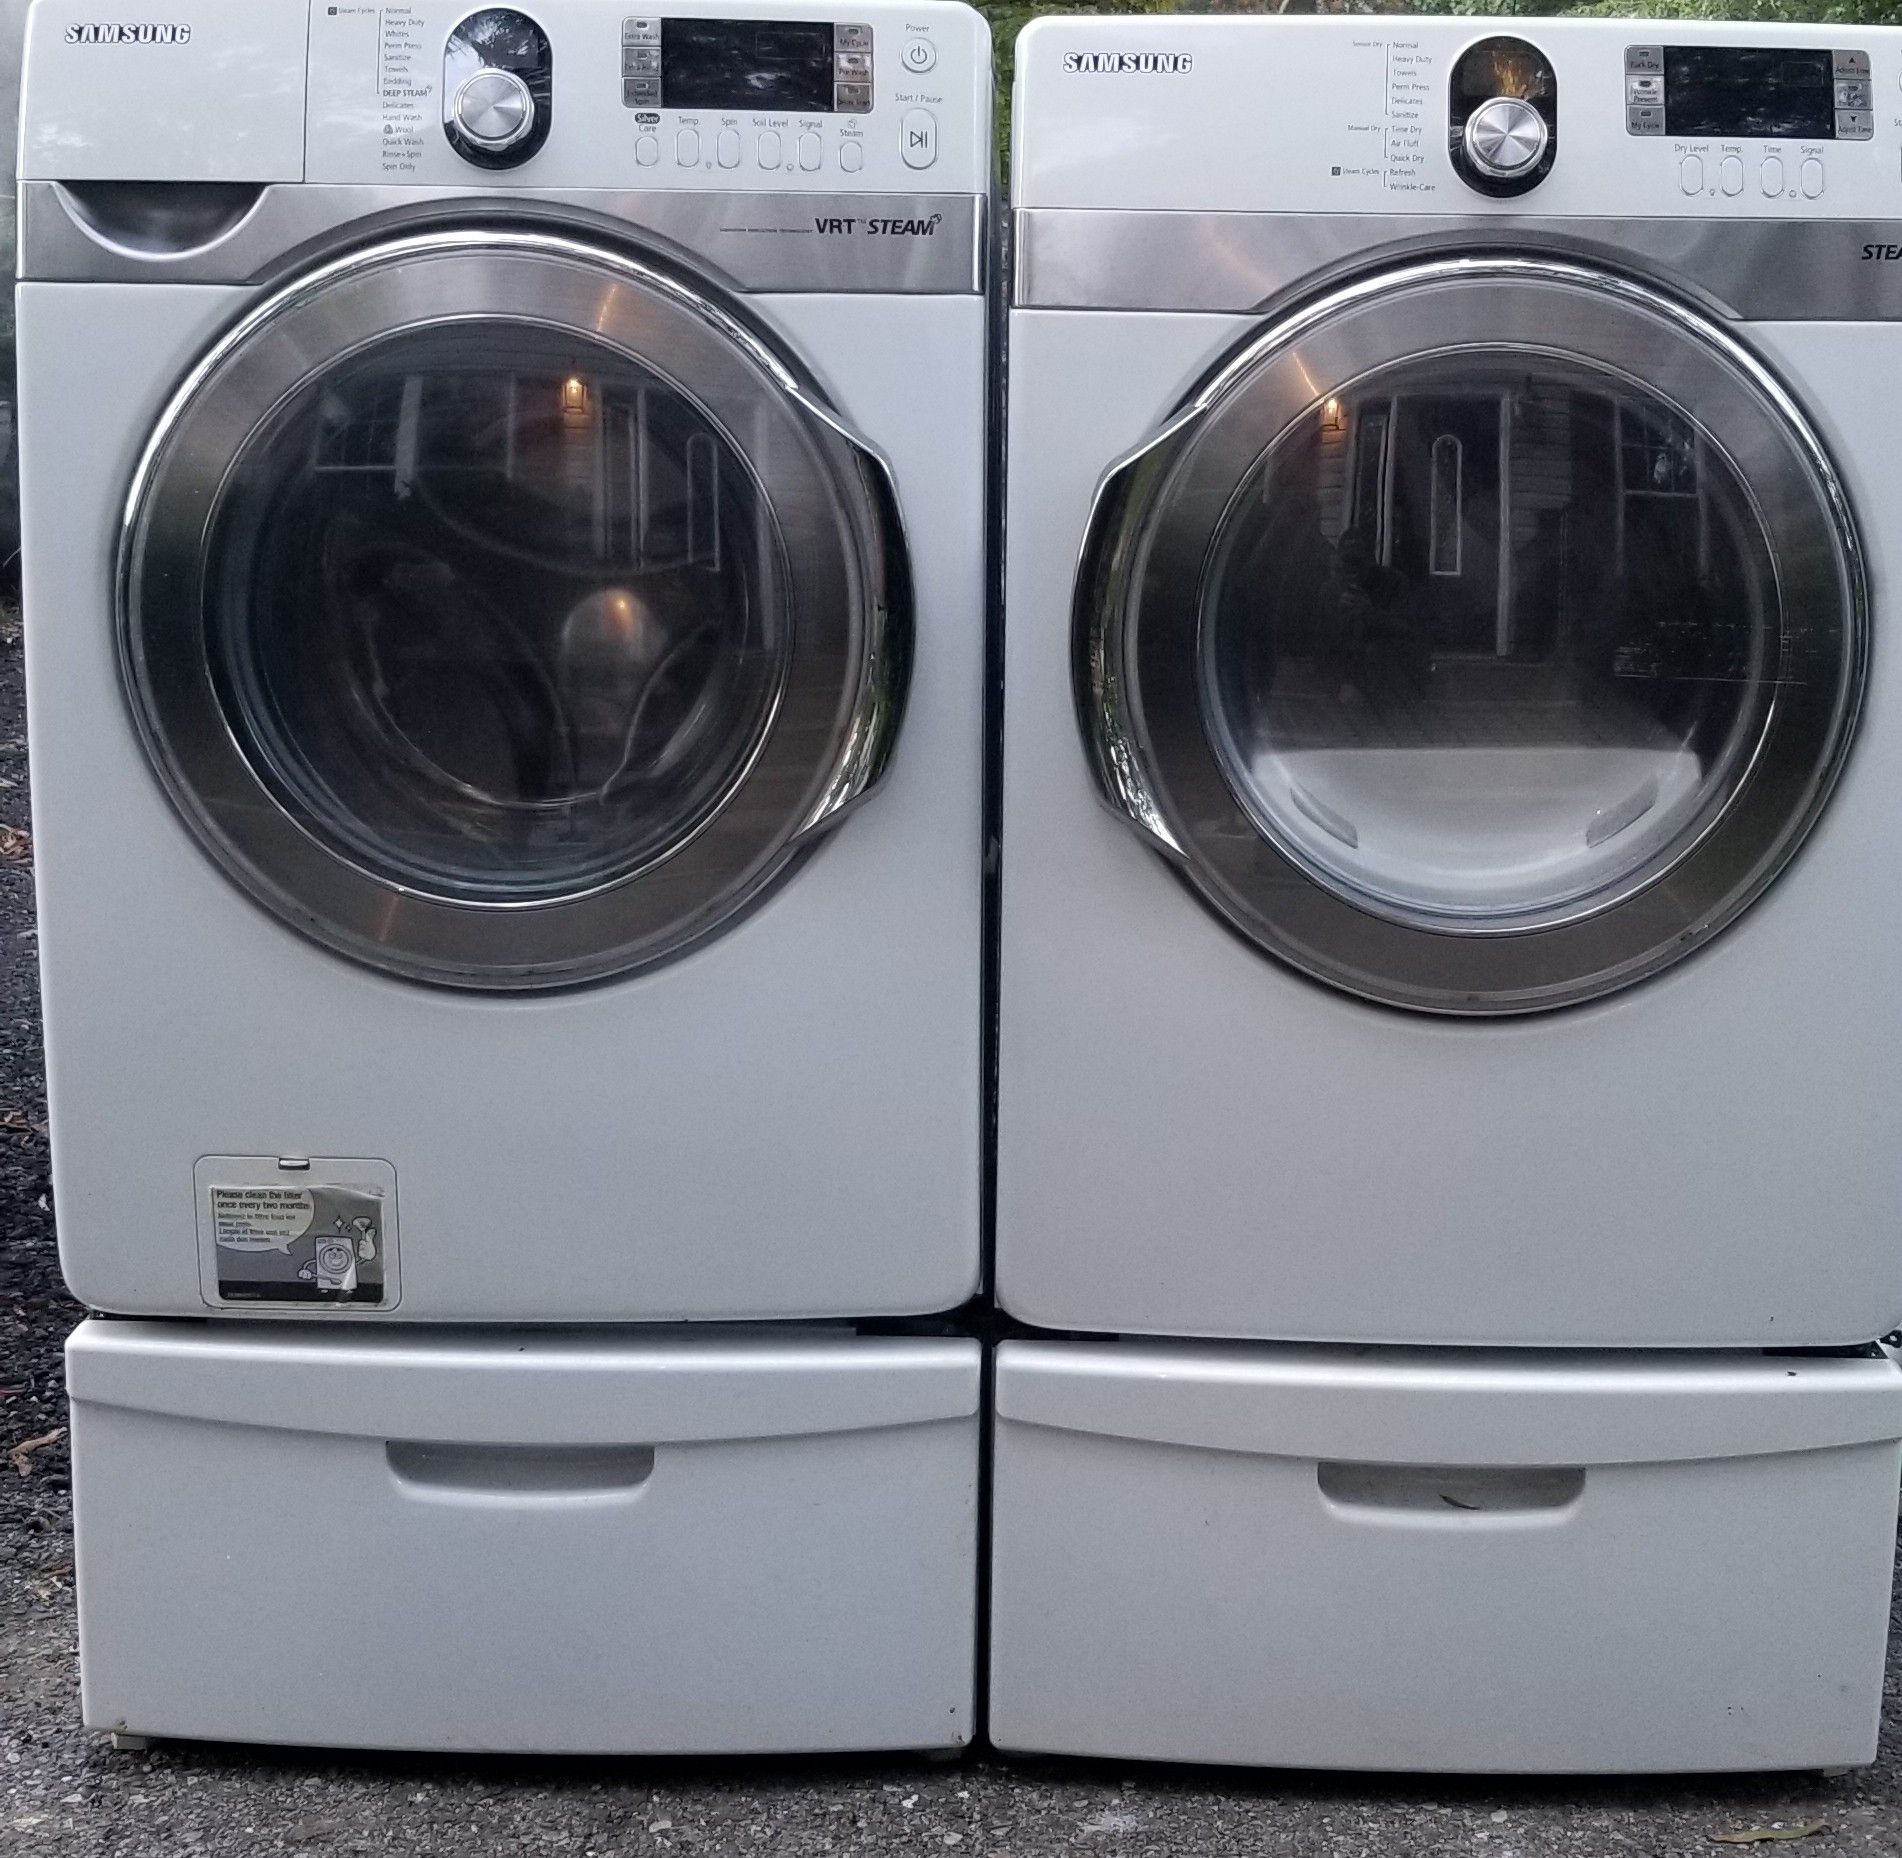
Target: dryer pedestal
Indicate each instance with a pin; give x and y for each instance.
(525, 1540)
(1442, 1560)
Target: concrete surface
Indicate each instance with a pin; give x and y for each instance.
(63, 1791)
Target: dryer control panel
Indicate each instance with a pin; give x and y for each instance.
(1600, 118)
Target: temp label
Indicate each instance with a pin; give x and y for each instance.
(316, 1244)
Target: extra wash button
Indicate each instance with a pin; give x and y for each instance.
(918, 138)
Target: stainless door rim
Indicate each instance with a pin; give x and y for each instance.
(837, 714)
(1138, 615)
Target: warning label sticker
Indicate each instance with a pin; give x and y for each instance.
(315, 1244)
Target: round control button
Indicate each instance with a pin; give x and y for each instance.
(1812, 178)
(1690, 174)
(727, 148)
(919, 55)
(1505, 137)
(647, 150)
(1732, 174)
(687, 148)
(1772, 175)
(494, 110)
(851, 156)
(810, 151)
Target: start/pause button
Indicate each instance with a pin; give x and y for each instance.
(918, 138)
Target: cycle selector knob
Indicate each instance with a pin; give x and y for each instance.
(1505, 138)
(494, 110)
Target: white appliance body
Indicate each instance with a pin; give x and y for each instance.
(775, 1116)
(1451, 747)
(505, 538)
(1198, 1136)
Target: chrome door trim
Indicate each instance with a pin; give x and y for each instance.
(1795, 270)
(1137, 617)
(825, 744)
(150, 232)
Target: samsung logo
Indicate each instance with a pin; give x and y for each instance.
(1128, 61)
(128, 35)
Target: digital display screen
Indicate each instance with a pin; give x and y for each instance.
(745, 64)
(1722, 90)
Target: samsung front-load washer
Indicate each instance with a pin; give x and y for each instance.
(505, 499)
(1450, 772)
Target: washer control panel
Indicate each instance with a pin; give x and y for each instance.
(887, 95)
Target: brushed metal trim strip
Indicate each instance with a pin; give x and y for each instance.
(750, 242)
(1750, 270)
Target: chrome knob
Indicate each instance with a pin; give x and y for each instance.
(494, 110)
(1505, 138)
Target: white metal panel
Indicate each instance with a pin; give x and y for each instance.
(783, 1124)
(1334, 116)
(1275, 1602)
(199, 90)
(1194, 1140)
(568, 1546)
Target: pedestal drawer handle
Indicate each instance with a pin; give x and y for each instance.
(1448, 1490)
(520, 1470)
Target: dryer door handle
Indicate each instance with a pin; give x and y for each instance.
(1099, 644)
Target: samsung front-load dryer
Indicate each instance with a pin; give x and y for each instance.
(1447, 812)
(1450, 1011)
(505, 508)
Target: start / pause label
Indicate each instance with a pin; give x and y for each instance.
(918, 138)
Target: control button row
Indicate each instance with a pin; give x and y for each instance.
(809, 150)
(852, 67)
(1730, 176)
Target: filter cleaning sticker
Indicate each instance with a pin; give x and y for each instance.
(316, 1244)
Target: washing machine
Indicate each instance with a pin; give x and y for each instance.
(1449, 1018)
(505, 494)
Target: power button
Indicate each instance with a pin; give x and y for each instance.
(919, 55)
(918, 138)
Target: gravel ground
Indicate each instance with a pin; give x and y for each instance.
(63, 1791)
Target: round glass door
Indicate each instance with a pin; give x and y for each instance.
(1482, 640)
(508, 646)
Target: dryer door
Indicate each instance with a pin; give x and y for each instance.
(505, 614)
(1481, 639)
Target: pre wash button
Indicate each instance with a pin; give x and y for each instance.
(918, 138)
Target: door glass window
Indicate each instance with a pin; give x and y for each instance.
(496, 612)
(1486, 639)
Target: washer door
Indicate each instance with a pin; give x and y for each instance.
(1481, 639)
(502, 613)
